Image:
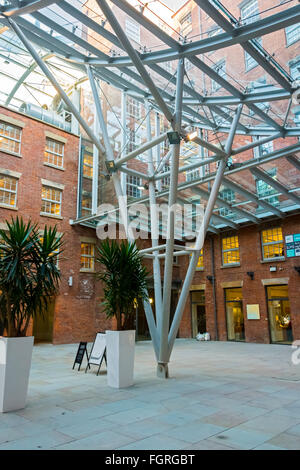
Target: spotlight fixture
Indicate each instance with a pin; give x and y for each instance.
(111, 167)
(174, 137)
(210, 278)
(251, 275)
(192, 135)
(297, 268)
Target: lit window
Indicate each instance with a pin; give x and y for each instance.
(133, 107)
(220, 68)
(10, 138)
(54, 153)
(87, 259)
(133, 30)
(133, 186)
(86, 204)
(88, 165)
(8, 191)
(51, 201)
(250, 12)
(272, 243)
(292, 34)
(230, 250)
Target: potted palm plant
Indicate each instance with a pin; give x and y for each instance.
(29, 278)
(124, 281)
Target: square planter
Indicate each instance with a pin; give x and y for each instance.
(15, 362)
(120, 358)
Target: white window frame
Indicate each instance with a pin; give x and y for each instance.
(89, 256)
(132, 186)
(250, 12)
(4, 138)
(290, 31)
(54, 153)
(133, 30)
(52, 201)
(10, 191)
(277, 242)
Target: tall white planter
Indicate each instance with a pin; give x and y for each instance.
(15, 362)
(120, 358)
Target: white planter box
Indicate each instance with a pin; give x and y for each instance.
(15, 362)
(120, 358)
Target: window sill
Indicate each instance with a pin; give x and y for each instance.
(11, 208)
(87, 271)
(273, 260)
(51, 216)
(235, 265)
(55, 167)
(200, 269)
(11, 153)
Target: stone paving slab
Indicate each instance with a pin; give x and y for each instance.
(221, 395)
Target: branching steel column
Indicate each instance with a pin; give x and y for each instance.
(135, 58)
(162, 369)
(121, 200)
(201, 235)
(154, 227)
(56, 85)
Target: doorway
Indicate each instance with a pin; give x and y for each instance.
(234, 314)
(43, 325)
(279, 314)
(198, 312)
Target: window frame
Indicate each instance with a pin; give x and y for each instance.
(237, 249)
(10, 139)
(52, 201)
(89, 256)
(289, 43)
(54, 154)
(3, 204)
(274, 258)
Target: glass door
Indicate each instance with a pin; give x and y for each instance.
(279, 315)
(234, 314)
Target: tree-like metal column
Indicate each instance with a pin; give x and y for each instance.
(162, 369)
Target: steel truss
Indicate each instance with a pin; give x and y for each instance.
(133, 74)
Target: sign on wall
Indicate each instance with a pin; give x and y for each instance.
(253, 312)
(292, 245)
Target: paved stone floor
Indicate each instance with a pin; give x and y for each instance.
(221, 396)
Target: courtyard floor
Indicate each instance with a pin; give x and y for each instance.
(220, 395)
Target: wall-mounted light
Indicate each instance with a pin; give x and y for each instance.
(192, 135)
(251, 275)
(210, 278)
(173, 137)
(297, 268)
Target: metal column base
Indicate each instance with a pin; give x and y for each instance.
(162, 370)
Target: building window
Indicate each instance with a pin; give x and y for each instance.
(250, 12)
(54, 153)
(133, 186)
(165, 182)
(133, 107)
(10, 138)
(292, 34)
(186, 23)
(200, 264)
(192, 175)
(272, 243)
(250, 63)
(230, 250)
(88, 165)
(295, 70)
(87, 260)
(86, 204)
(263, 149)
(51, 201)
(133, 30)
(220, 68)
(267, 192)
(227, 195)
(8, 191)
(134, 141)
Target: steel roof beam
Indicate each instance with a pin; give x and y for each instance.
(275, 184)
(294, 161)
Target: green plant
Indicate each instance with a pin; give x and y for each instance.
(124, 278)
(29, 276)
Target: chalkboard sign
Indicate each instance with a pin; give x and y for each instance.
(98, 352)
(82, 348)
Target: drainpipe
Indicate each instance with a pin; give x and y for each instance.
(212, 254)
